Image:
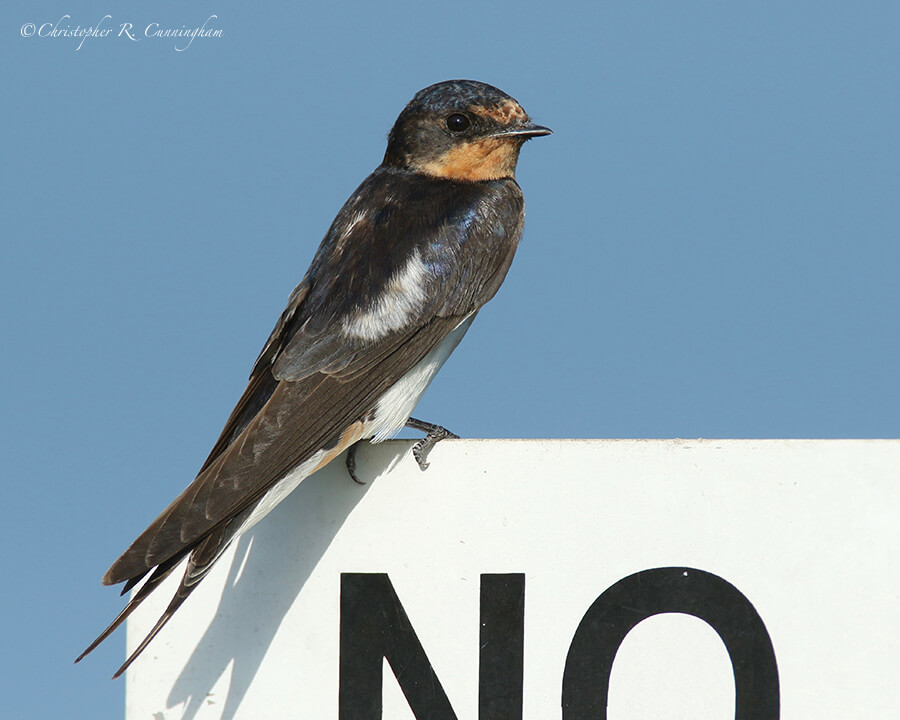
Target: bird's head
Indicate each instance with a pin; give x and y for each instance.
(461, 130)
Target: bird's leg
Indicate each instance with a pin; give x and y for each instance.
(351, 462)
(434, 434)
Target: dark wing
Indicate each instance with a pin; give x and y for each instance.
(203, 520)
(262, 383)
(299, 419)
(313, 379)
(466, 235)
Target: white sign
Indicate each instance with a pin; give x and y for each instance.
(502, 583)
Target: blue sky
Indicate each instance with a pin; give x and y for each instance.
(711, 246)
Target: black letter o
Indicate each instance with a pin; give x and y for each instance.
(670, 590)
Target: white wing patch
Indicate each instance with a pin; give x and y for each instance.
(404, 296)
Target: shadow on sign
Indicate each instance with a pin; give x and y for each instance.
(260, 600)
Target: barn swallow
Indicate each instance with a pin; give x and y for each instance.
(422, 244)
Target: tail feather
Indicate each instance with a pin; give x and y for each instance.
(159, 574)
(200, 562)
(202, 558)
(180, 597)
(132, 582)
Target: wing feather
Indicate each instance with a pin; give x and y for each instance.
(311, 380)
(298, 419)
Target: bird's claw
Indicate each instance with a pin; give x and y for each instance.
(435, 433)
(351, 463)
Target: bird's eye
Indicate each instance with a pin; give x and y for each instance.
(457, 122)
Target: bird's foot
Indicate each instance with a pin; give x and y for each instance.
(434, 434)
(351, 462)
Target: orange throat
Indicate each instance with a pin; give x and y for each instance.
(484, 159)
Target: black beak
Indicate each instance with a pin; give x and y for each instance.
(526, 130)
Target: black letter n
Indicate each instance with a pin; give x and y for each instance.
(374, 626)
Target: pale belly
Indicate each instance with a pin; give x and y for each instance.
(397, 404)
